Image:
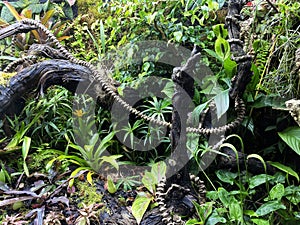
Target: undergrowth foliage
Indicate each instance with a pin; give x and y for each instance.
(43, 135)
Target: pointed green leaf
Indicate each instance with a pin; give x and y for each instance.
(276, 192)
(159, 170)
(226, 176)
(222, 48)
(139, 207)
(260, 221)
(269, 207)
(111, 187)
(149, 181)
(259, 179)
(178, 35)
(222, 103)
(285, 169)
(291, 136)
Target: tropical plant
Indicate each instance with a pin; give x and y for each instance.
(37, 11)
(149, 180)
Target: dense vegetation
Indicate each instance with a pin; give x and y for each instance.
(58, 134)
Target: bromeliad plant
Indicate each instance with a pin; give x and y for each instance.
(87, 150)
(42, 12)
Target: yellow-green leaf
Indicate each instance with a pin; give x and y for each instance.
(27, 13)
(47, 16)
(111, 187)
(139, 207)
(89, 177)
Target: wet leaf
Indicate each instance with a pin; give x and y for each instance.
(215, 218)
(269, 207)
(259, 179)
(260, 221)
(226, 176)
(276, 192)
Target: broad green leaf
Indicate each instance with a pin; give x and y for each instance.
(36, 8)
(178, 35)
(169, 89)
(292, 193)
(235, 211)
(269, 207)
(139, 207)
(222, 102)
(226, 176)
(159, 170)
(213, 5)
(259, 179)
(230, 67)
(224, 196)
(215, 218)
(250, 213)
(212, 195)
(220, 30)
(149, 181)
(6, 15)
(291, 136)
(285, 169)
(204, 210)
(222, 48)
(260, 221)
(12, 10)
(270, 100)
(276, 192)
(197, 111)
(213, 54)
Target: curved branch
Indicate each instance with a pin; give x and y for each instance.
(40, 76)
